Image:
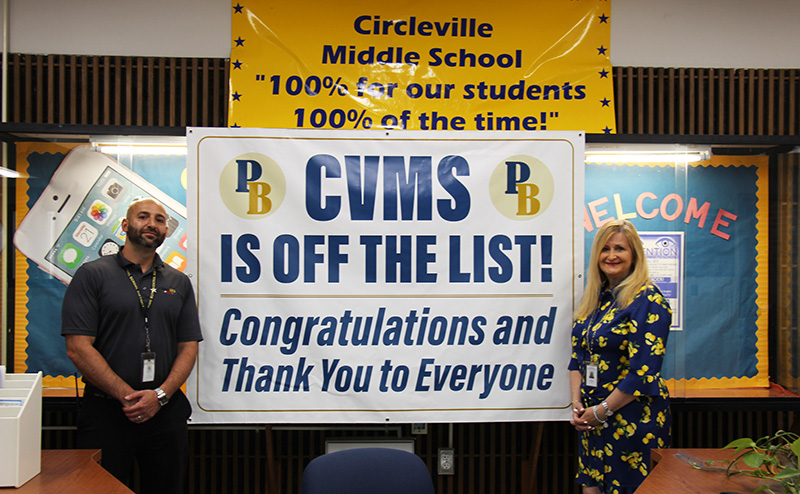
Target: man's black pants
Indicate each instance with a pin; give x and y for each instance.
(160, 445)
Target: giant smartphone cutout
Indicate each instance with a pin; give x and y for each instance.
(78, 217)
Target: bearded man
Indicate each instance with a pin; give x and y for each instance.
(132, 330)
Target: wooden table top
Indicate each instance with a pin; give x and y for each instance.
(670, 474)
(71, 471)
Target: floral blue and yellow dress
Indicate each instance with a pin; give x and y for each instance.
(627, 345)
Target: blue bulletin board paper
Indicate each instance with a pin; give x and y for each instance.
(720, 207)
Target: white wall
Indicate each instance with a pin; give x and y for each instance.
(646, 33)
(160, 28)
(705, 33)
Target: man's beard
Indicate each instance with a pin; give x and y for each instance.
(136, 237)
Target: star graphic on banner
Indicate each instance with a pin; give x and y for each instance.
(236, 96)
(603, 74)
(605, 101)
(237, 9)
(602, 50)
(603, 19)
(239, 41)
(607, 130)
(237, 65)
(235, 126)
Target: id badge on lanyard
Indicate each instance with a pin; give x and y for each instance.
(592, 370)
(148, 366)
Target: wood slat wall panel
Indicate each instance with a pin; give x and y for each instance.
(112, 90)
(707, 101)
(105, 90)
(787, 258)
(489, 457)
(94, 90)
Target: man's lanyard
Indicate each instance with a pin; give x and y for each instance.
(145, 309)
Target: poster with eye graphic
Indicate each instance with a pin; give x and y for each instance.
(664, 252)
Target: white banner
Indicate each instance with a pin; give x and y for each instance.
(348, 276)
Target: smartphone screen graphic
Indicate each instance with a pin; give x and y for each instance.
(95, 229)
(78, 216)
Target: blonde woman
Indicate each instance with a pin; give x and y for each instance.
(620, 401)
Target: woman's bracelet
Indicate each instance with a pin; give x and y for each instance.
(602, 422)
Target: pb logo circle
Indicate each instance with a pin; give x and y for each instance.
(521, 187)
(252, 186)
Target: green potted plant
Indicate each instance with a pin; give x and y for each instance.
(773, 458)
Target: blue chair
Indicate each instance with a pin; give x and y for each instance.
(367, 471)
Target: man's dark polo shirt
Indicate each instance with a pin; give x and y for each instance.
(101, 302)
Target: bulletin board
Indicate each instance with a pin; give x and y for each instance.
(721, 208)
(38, 344)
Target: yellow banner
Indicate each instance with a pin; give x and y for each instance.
(465, 65)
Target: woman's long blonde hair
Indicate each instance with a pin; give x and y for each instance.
(595, 278)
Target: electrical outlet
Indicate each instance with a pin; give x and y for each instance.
(447, 461)
(419, 428)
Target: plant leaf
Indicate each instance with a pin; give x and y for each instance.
(796, 447)
(741, 444)
(753, 459)
(787, 473)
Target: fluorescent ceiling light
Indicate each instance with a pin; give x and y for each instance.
(644, 158)
(142, 149)
(153, 145)
(646, 153)
(9, 173)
